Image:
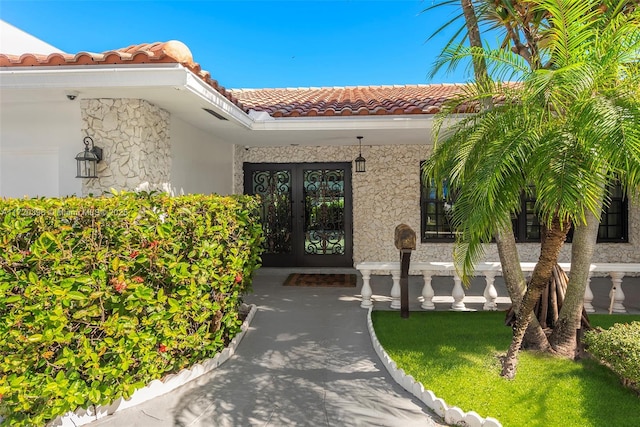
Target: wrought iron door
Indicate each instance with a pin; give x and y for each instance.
(306, 212)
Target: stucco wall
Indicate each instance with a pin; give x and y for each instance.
(38, 143)
(141, 143)
(388, 194)
(134, 135)
(200, 162)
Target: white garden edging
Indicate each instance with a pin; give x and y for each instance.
(451, 415)
(156, 387)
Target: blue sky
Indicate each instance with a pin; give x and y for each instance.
(257, 44)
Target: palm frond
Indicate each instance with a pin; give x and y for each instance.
(503, 65)
(568, 130)
(571, 25)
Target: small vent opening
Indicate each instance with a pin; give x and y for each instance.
(214, 114)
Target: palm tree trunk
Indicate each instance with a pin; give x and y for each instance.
(475, 41)
(535, 338)
(511, 271)
(552, 242)
(563, 337)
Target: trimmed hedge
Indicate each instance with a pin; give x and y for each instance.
(99, 296)
(619, 348)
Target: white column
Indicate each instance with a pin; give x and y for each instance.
(588, 297)
(457, 294)
(490, 293)
(427, 292)
(395, 289)
(616, 294)
(366, 289)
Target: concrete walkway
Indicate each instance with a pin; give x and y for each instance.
(307, 360)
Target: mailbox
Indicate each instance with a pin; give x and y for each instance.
(405, 237)
(405, 240)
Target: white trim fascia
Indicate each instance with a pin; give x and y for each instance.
(346, 123)
(198, 87)
(383, 122)
(91, 76)
(104, 76)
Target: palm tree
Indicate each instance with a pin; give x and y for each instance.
(616, 83)
(569, 128)
(520, 19)
(504, 237)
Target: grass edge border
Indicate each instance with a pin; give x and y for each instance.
(451, 415)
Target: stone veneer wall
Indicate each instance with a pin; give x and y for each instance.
(388, 194)
(134, 136)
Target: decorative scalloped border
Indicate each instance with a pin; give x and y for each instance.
(451, 415)
(156, 387)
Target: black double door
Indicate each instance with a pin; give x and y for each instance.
(306, 212)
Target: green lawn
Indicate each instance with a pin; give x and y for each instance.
(456, 356)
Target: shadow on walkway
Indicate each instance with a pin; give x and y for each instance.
(307, 360)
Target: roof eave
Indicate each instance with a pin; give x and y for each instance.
(381, 122)
(91, 76)
(78, 77)
(197, 86)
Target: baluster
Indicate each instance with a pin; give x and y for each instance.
(588, 297)
(366, 291)
(427, 292)
(395, 289)
(616, 294)
(457, 294)
(490, 292)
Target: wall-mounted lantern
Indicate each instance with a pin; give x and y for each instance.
(88, 159)
(360, 161)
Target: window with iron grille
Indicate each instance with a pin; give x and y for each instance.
(435, 211)
(614, 220)
(435, 214)
(526, 224)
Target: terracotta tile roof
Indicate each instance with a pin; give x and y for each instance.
(296, 102)
(348, 101)
(171, 52)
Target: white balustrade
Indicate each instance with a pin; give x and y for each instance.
(616, 271)
(446, 269)
(395, 290)
(588, 296)
(366, 269)
(615, 294)
(366, 291)
(457, 294)
(427, 292)
(490, 293)
(489, 270)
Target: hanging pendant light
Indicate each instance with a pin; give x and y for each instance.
(360, 161)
